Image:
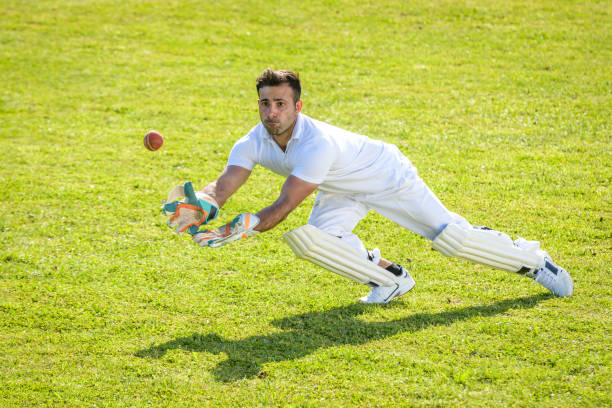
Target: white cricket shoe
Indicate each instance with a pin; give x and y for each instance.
(553, 278)
(384, 294)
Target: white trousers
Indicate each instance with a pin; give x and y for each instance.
(410, 203)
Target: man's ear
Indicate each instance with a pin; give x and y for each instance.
(298, 105)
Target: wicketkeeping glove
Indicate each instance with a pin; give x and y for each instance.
(240, 227)
(195, 209)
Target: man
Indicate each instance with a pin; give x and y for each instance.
(353, 174)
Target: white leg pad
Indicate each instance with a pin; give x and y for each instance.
(487, 247)
(310, 243)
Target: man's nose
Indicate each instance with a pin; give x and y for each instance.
(273, 111)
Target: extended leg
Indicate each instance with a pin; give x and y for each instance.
(497, 249)
(416, 207)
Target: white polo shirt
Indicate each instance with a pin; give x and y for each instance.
(319, 153)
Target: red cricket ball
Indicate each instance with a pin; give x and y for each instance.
(153, 140)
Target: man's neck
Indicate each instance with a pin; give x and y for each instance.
(283, 139)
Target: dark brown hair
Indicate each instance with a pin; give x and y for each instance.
(274, 78)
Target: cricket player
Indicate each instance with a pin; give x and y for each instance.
(353, 175)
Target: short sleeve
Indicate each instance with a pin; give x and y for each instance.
(315, 163)
(243, 154)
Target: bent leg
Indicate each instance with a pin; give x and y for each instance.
(338, 215)
(319, 247)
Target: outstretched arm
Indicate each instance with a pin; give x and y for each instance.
(294, 191)
(227, 183)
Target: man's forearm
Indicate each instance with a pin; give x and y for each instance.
(294, 191)
(227, 184)
(271, 216)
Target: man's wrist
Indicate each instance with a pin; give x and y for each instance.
(206, 196)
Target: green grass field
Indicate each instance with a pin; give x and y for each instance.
(505, 108)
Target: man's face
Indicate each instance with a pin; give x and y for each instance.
(277, 110)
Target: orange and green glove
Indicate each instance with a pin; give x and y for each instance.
(240, 227)
(195, 209)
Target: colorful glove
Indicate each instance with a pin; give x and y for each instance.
(193, 210)
(240, 227)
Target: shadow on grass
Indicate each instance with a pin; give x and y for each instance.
(308, 332)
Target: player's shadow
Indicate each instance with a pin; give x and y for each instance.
(305, 333)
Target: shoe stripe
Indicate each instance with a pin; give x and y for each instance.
(551, 267)
(388, 298)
